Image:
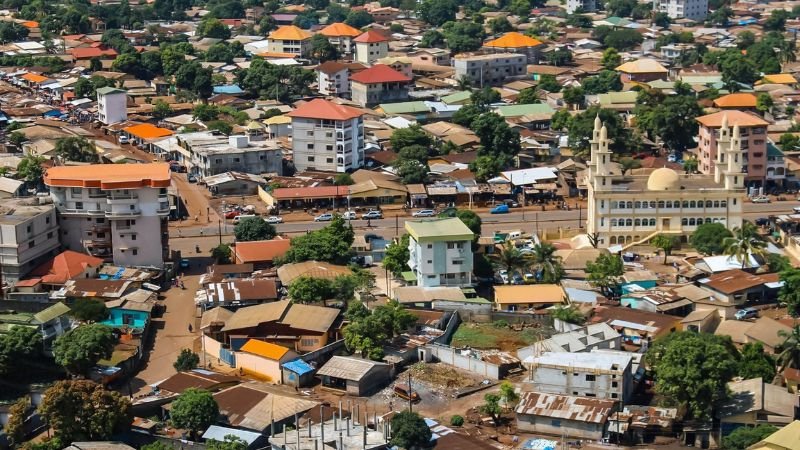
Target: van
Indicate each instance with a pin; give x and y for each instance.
(238, 219)
(406, 393)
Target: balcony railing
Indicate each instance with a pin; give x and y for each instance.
(122, 214)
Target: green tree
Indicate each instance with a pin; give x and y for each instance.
(30, 168)
(343, 179)
(626, 164)
(573, 96)
(311, 290)
(692, 369)
(776, 21)
(463, 36)
(456, 420)
(790, 348)
(82, 410)
(620, 8)
(229, 442)
(582, 126)
(330, 244)
(560, 57)
(708, 238)
(472, 220)
(161, 109)
(745, 39)
(754, 363)
(369, 333)
(743, 437)
(205, 112)
(662, 19)
(437, 12)
(491, 406)
(789, 294)
(579, 21)
(623, 39)
(605, 272)
(221, 254)
(213, 28)
(528, 96)
(321, 49)
(569, 314)
(764, 102)
(664, 243)
(789, 142)
(432, 39)
(194, 410)
(17, 415)
(18, 347)
(271, 81)
(605, 81)
(745, 242)
(89, 310)
(720, 16)
(611, 59)
(410, 431)
(549, 83)
(12, 32)
(690, 165)
(221, 126)
(672, 118)
(397, 256)
(187, 360)
(508, 395)
(358, 18)
(77, 149)
(485, 167)
(413, 135)
(79, 349)
(511, 259)
(520, 8)
(500, 25)
(253, 229)
(546, 264)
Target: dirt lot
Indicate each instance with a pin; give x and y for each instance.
(489, 336)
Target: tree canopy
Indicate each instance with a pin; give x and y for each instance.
(194, 409)
(82, 410)
(329, 244)
(253, 229)
(708, 238)
(743, 437)
(79, 349)
(187, 360)
(368, 333)
(89, 310)
(77, 149)
(19, 346)
(397, 255)
(409, 430)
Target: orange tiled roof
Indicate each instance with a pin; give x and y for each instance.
(741, 118)
(324, 109)
(339, 29)
(290, 33)
(276, 55)
(92, 52)
(265, 349)
(513, 40)
(30, 24)
(110, 176)
(64, 266)
(147, 131)
(779, 78)
(737, 100)
(258, 251)
(34, 77)
(379, 73)
(371, 36)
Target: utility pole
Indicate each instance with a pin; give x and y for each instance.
(579, 217)
(397, 225)
(410, 402)
(219, 227)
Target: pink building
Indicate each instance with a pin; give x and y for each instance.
(753, 131)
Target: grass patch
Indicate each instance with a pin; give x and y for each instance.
(489, 336)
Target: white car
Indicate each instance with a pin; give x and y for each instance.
(372, 215)
(349, 215)
(424, 213)
(762, 199)
(123, 139)
(327, 217)
(503, 274)
(273, 219)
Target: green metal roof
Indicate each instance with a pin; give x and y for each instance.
(701, 79)
(55, 311)
(661, 84)
(615, 98)
(404, 107)
(522, 110)
(451, 228)
(458, 97)
(409, 276)
(773, 151)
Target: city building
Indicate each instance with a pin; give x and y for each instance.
(518, 43)
(371, 46)
(112, 105)
(333, 77)
(643, 70)
(440, 252)
(379, 84)
(327, 136)
(629, 209)
(581, 6)
(588, 374)
(212, 154)
(563, 415)
(289, 39)
(28, 237)
(753, 138)
(738, 100)
(114, 211)
(341, 36)
(682, 9)
(486, 69)
(776, 166)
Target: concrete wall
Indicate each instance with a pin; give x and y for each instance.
(553, 426)
(260, 367)
(449, 355)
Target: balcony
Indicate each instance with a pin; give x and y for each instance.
(82, 212)
(123, 214)
(122, 200)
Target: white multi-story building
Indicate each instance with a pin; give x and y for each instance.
(682, 9)
(112, 105)
(491, 68)
(212, 154)
(630, 209)
(327, 136)
(574, 6)
(371, 46)
(115, 211)
(28, 236)
(593, 374)
(440, 252)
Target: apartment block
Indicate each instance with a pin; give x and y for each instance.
(599, 375)
(289, 39)
(327, 136)
(371, 46)
(28, 236)
(114, 211)
(490, 68)
(682, 9)
(752, 137)
(112, 105)
(379, 84)
(440, 252)
(581, 6)
(212, 154)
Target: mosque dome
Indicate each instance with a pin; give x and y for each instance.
(663, 179)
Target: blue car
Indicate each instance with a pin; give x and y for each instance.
(500, 209)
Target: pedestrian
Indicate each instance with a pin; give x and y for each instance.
(190, 328)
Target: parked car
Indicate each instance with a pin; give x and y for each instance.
(273, 219)
(123, 140)
(327, 217)
(424, 213)
(761, 199)
(746, 313)
(500, 209)
(349, 215)
(191, 178)
(241, 217)
(517, 279)
(232, 214)
(511, 203)
(502, 276)
(372, 215)
(762, 221)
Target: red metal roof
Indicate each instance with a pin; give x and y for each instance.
(371, 36)
(379, 73)
(91, 52)
(324, 109)
(310, 192)
(65, 266)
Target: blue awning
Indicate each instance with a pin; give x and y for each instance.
(298, 366)
(231, 89)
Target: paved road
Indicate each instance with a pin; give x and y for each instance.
(529, 220)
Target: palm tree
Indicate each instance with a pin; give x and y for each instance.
(544, 259)
(511, 259)
(464, 83)
(790, 355)
(690, 165)
(745, 242)
(569, 314)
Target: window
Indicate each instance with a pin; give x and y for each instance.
(135, 252)
(78, 205)
(590, 394)
(309, 133)
(133, 237)
(310, 159)
(590, 377)
(50, 235)
(28, 228)
(614, 395)
(308, 342)
(430, 261)
(310, 146)
(47, 219)
(555, 423)
(614, 383)
(458, 262)
(218, 161)
(101, 235)
(430, 245)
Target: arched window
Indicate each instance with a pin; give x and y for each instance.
(668, 204)
(708, 219)
(692, 204)
(612, 240)
(709, 204)
(637, 204)
(716, 203)
(685, 203)
(661, 203)
(652, 222)
(653, 205)
(629, 205)
(613, 222)
(628, 239)
(637, 222)
(684, 221)
(691, 222)
(723, 204)
(716, 219)
(629, 222)
(613, 204)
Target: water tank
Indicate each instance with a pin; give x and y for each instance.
(238, 141)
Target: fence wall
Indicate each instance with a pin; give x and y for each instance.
(322, 355)
(449, 355)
